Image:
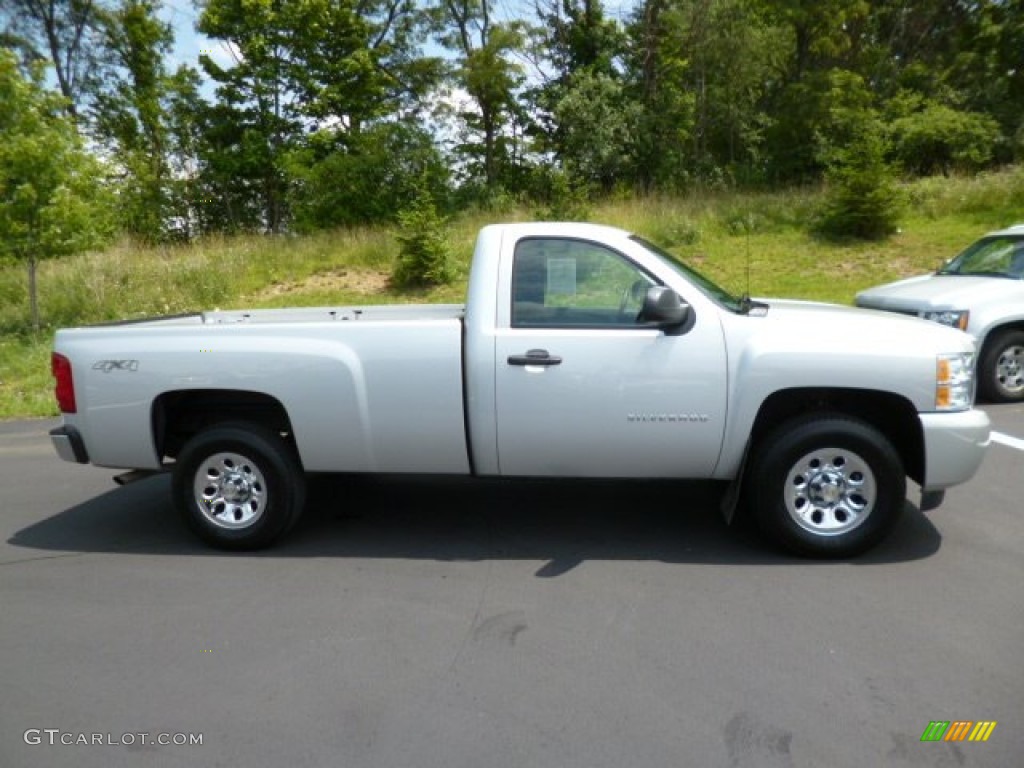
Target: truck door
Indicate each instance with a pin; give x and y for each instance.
(583, 389)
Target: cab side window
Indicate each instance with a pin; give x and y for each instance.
(563, 283)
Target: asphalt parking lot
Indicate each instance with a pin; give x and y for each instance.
(421, 623)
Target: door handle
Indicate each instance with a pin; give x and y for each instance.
(534, 357)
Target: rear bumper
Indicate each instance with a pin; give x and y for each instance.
(68, 444)
(954, 445)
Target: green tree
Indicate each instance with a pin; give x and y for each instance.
(984, 67)
(361, 86)
(254, 122)
(582, 114)
(51, 191)
(595, 132)
(302, 68)
(130, 113)
(736, 52)
(576, 35)
(486, 71)
(822, 40)
(424, 257)
(353, 62)
(863, 200)
(339, 179)
(66, 33)
(660, 69)
(184, 108)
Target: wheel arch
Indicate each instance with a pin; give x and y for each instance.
(891, 414)
(177, 416)
(995, 330)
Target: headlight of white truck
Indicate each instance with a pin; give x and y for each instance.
(954, 382)
(954, 318)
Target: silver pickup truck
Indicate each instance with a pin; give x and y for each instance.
(582, 351)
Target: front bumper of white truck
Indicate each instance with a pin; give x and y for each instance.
(954, 445)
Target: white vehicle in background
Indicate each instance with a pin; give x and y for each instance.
(981, 291)
(581, 351)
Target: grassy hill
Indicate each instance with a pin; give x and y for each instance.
(722, 234)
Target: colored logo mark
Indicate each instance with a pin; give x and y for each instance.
(958, 730)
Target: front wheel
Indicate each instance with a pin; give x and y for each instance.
(827, 486)
(238, 486)
(1001, 368)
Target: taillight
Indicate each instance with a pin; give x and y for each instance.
(65, 389)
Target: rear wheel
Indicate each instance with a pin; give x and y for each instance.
(1001, 368)
(238, 486)
(827, 486)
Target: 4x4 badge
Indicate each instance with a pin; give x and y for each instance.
(116, 365)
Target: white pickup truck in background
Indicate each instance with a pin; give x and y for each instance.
(582, 351)
(981, 292)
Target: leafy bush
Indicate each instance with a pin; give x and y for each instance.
(345, 181)
(563, 200)
(937, 138)
(424, 256)
(596, 126)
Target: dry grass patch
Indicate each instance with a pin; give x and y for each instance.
(362, 282)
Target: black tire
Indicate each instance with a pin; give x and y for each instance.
(826, 486)
(238, 486)
(1001, 368)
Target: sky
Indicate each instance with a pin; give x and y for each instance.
(189, 44)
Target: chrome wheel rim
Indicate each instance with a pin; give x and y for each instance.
(230, 491)
(1010, 370)
(830, 491)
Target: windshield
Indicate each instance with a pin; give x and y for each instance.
(707, 287)
(998, 256)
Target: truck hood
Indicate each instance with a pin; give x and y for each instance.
(807, 344)
(864, 329)
(940, 292)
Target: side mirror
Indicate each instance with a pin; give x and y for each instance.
(663, 307)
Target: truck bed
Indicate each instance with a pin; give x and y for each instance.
(367, 389)
(378, 313)
(381, 313)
